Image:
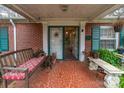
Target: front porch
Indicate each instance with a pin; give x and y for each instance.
(65, 74)
(64, 34)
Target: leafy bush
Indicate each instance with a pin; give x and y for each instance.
(121, 85)
(109, 57)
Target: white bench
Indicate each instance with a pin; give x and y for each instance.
(111, 79)
(121, 56)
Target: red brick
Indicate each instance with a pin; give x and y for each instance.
(66, 74)
(29, 35)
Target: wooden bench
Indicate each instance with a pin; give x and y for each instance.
(49, 62)
(111, 78)
(19, 65)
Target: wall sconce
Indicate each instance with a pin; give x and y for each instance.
(82, 30)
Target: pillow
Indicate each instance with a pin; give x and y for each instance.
(38, 53)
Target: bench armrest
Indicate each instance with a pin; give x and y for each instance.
(17, 69)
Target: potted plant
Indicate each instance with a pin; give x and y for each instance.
(95, 55)
(39, 53)
(118, 27)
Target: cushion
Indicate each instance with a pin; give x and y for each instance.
(30, 64)
(14, 75)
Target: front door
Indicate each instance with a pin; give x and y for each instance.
(56, 41)
(64, 41)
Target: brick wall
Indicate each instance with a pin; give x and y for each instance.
(29, 35)
(88, 29)
(88, 33)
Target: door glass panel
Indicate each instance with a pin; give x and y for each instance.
(76, 43)
(56, 41)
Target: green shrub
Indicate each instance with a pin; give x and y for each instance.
(109, 57)
(121, 85)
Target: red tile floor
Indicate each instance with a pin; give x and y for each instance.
(65, 74)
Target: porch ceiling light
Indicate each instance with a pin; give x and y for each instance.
(64, 8)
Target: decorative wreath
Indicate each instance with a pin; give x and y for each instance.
(56, 34)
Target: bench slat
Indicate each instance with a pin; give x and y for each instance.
(18, 58)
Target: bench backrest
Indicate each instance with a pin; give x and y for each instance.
(16, 58)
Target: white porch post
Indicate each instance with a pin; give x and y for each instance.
(82, 40)
(117, 39)
(45, 37)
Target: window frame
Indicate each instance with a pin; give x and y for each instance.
(108, 38)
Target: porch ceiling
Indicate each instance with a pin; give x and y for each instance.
(41, 12)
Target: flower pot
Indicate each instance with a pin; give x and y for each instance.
(95, 55)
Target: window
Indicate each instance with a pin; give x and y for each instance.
(107, 37)
(4, 44)
(103, 37)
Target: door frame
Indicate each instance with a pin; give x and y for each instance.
(63, 27)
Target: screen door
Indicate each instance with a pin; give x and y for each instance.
(56, 41)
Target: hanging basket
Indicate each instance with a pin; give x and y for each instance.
(118, 26)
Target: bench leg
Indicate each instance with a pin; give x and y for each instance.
(93, 66)
(27, 83)
(4, 83)
(26, 80)
(111, 81)
(51, 66)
